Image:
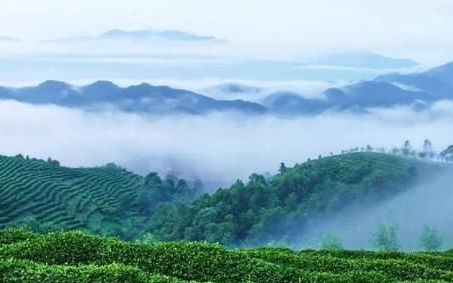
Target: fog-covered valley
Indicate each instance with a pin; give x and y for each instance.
(219, 147)
(226, 141)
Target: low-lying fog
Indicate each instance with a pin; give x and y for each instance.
(428, 203)
(218, 148)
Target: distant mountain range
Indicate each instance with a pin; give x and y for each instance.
(417, 90)
(292, 104)
(397, 89)
(350, 66)
(136, 98)
(438, 82)
(155, 34)
(361, 59)
(140, 35)
(8, 39)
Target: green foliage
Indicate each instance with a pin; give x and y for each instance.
(263, 209)
(331, 242)
(170, 189)
(44, 196)
(13, 235)
(109, 200)
(79, 257)
(430, 239)
(25, 271)
(385, 239)
(282, 168)
(408, 268)
(147, 238)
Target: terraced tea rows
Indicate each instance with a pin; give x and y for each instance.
(381, 161)
(60, 197)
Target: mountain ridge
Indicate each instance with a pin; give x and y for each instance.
(417, 90)
(140, 35)
(141, 98)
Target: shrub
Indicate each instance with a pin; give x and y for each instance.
(79, 257)
(385, 239)
(331, 242)
(13, 235)
(23, 271)
(430, 240)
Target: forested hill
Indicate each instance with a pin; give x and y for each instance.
(267, 210)
(110, 200)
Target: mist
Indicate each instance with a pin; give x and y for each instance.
(217, 148)
(428, 203)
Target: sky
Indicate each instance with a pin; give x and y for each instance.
(274, 28)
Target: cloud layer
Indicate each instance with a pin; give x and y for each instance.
(217, 148)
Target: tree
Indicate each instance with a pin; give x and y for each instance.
(427, 151)
(53, 162)
(386, 239)
(282, 168)
(407, 147)
(430, 239)
(427, 146)
(331, 242)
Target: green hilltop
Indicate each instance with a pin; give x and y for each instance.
(265, 210)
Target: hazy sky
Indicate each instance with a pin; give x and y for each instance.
(418, 28)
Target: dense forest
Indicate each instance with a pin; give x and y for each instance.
(264, 210)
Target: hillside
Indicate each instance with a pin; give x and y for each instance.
(112, 201)
(105, 200)
(437, 82)
(396, 89)
(279, 208)
(78, 257)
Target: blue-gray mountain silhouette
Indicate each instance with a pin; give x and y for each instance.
(417, 90)
(438, 81)
(140, 35)
(155, 34)
(136, 98)
(289, 104)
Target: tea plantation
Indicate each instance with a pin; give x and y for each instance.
(40, 192)
(79, 257)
